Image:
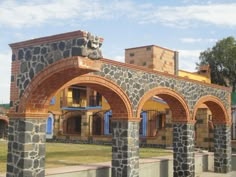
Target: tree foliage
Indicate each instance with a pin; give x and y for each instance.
(222, 61)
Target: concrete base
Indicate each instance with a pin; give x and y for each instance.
(152, 167)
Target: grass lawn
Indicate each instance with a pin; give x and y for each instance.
(58, 154)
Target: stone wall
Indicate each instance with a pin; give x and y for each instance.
(137, 83)
(183, 144)
(222, 146)
(125, 148)
(26, 147)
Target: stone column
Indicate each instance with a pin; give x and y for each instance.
(183, 144)
(86, 127)
(26, 147)
(125, 148)
(222, 145)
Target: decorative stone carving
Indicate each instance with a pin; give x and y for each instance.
(91, 47)
(35, 58)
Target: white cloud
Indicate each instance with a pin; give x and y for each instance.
(186, 16)
(188, 59)
(29, 14)
(119, 58)
(17, 14)
(5, 74)
(26, 13)
(191, 40)
(196, 40)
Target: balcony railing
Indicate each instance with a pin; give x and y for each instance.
(94, 101)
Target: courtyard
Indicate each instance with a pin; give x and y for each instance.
(61, 155)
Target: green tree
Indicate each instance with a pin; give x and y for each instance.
(222, 61)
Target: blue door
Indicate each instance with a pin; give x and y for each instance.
(49, 127)
(107, 117)
(143, 125)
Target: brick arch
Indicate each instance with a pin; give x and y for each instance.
(5, 119)
(116, 97)
(218, 110)
(177, 104)
(62, 73)
(44, 85)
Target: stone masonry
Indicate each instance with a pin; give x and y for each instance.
(222, 144)
(26, 151)
(137, 83)
(183, 144)
(125, 148)
(33, 59)
(26, 148)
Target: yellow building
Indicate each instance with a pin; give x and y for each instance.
(202, 75)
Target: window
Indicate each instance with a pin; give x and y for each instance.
(131, 54)
(148, 48)
(53, 101)
(76, 96)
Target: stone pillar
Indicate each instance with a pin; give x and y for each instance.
(183, 144)
(26, 147)
(85, 127)
(222, 145)
(125, 148)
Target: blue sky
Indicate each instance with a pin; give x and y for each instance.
(187, 26)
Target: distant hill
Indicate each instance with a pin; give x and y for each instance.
(6, 106)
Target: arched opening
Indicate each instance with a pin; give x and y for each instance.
(217, 108)
(176, 103)
(152, 122)
(220, 124)
(159, 108)
(118, 100)
(64, 73)
(36, 98)
(204, 129)
(73, 125)
(181, 132)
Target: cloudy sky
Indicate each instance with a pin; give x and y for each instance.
(188, 26)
